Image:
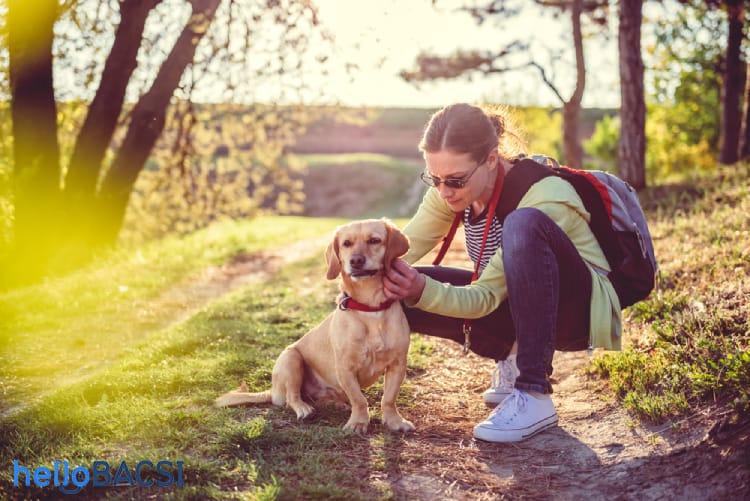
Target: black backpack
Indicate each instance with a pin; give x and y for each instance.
(617, 220)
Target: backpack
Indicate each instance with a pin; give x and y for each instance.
(617, 220)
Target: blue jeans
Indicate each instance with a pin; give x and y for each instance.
(548, 305)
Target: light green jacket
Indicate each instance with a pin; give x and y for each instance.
(556, 198)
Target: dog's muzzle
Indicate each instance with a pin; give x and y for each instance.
(362, 273)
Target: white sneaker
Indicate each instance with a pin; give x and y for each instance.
(518, 417)
(503, 378)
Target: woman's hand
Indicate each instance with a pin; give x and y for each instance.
(403, 282)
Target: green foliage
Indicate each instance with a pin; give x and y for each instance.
(541, 128)
(689, 343)
(603, 143)
(674, 147)
(227, 162)
(683, 112)
(671, 152)
(697, 109)
(689, 44)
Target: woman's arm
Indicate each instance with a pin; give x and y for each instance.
(486, 294)
(428, 226)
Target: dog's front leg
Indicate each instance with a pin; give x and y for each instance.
(394, 376)
(359, 418)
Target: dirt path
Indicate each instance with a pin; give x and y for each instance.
(598, 451)
(198, 290)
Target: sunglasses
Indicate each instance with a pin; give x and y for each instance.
(455, 183)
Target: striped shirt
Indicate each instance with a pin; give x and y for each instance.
(473, 231)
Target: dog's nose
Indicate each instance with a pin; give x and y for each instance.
(357, 261)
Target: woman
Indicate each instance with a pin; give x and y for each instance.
(541, 284)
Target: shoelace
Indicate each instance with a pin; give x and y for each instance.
(503, 375)
(510, 407)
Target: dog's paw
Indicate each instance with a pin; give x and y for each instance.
(399, 424)
(303, 410)
(358, 427)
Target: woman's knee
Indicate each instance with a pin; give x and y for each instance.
(522, 228)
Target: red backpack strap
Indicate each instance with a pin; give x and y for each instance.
(600, 188)
(448, 239)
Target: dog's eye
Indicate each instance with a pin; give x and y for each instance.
(347, 243)
(374, 241)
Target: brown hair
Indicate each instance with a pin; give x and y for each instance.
(465, 128)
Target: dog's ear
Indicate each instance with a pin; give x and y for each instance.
(396, 244)
(332, 258)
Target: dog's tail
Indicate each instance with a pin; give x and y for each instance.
(241, 397)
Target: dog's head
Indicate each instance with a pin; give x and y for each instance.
(363, 248)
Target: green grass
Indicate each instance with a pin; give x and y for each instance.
(364, 185)
(155, 402)
(373, 159)
(151, 393)
(66, 327)
(689, 342)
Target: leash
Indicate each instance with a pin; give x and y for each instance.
(466, 327)
(349, 303)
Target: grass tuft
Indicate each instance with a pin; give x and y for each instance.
(688, 343)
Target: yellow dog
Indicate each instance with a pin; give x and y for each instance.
(364, 337)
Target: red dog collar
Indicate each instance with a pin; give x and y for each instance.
(349, 303)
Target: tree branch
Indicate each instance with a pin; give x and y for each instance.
(495, 8)
(586, 6)
(578, 43)
(149, 116)
(99, 126)
(547, 80)
(429, 66)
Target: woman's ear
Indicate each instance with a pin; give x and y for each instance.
(493, 160)
(332, 258)
(396, 244)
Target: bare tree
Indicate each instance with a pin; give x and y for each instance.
(734, 84)
(745, 139)
(632, 147)
(70, 208)
(734, 75)
(461, 63)
(104, 111)
(34, 114)
(147, 122)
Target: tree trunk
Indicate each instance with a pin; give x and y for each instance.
(745, 147)
(572, 150)
(731, 120)
(36, 150)
(101, 119)
(147, 123)
(632, 147)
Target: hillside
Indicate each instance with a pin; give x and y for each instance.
(397, 131)
(123, 359)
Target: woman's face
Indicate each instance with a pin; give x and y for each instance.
(446, 164)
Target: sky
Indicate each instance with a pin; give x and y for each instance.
(385, 37)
